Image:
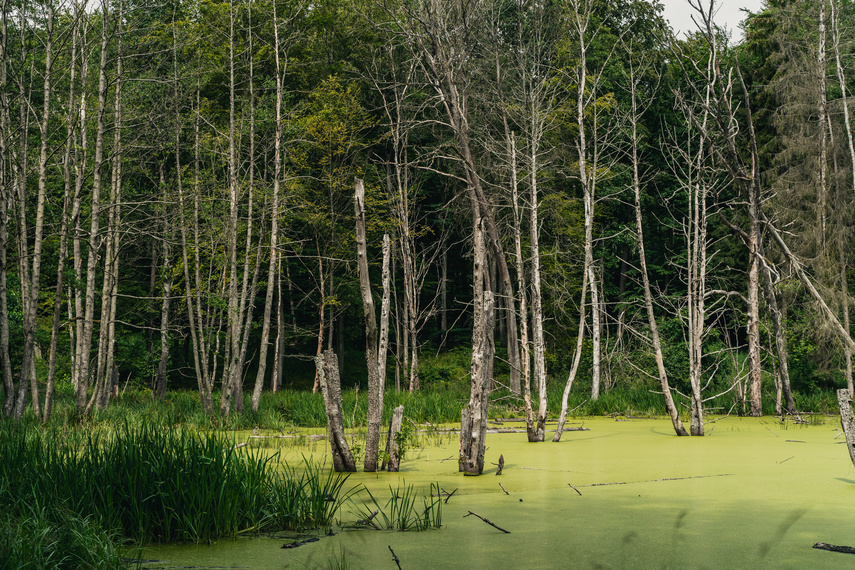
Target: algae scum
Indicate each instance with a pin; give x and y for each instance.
(626, 493)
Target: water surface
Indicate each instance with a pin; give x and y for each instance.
(753, 493)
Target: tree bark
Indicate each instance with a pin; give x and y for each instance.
(847, 420)
(473, 428)
(393, 450)
(670, 407)
(274, 224)
(85, 339)
(375, 383)
(328, 378)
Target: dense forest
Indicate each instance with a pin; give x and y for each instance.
(208, 194)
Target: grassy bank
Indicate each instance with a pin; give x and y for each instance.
(435, 405)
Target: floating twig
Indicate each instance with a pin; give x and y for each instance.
(773, 433)
(448, 494)
(503, 489)
(395, 557)
(370, 520)
(787, 459)
(488, 522)
(795, 441)
(833, 548)
(575, 489)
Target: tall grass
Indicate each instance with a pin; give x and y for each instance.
(150, 483)
(51, 537)
(403, 510)
(307, 500)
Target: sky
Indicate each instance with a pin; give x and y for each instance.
(679, 13)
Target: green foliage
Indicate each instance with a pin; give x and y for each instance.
(402, 511)
(52, 537)
(154, 483)
(306, 500)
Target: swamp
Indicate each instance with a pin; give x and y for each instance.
(623, 493)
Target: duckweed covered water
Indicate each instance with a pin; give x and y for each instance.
(753, 493)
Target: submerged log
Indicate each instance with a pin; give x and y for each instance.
(327, 366)
(847, 420)
(832, 547)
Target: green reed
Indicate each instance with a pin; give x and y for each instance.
(150, 483)
(404, 510)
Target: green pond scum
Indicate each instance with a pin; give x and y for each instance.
(623, 493)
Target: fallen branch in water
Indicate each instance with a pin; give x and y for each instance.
(833, 548)
(369, 520)
(395, 557)
(575, 489)
(448, 494)
(503, 489)
(488, 522)
(656, 480)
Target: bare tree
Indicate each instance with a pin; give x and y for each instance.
(375, 382)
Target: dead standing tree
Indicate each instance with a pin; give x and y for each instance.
(441, 37)
(725, 91)
(330, 384)
(374, 344)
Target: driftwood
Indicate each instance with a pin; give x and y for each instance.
(395, 557)
(503, 489)
(392, 462)
(488, 522)
(327, 367)
(297, 543)
(847, 420)
(833, 548)
(575, 489)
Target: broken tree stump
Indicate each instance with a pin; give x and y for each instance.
(328, 378)
(847, 420)
(392, 462)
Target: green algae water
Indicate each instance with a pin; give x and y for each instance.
(755, 492)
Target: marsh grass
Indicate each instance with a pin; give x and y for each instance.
(307, 500)
(153, 484)
(404, 510)
(41, 535)
(440, 403)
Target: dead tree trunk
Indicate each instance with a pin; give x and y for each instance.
(634, 119)
(847, 420)
(375, 383)
(330, 383)
(473, 426)
(577, 357)
(393, 451)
